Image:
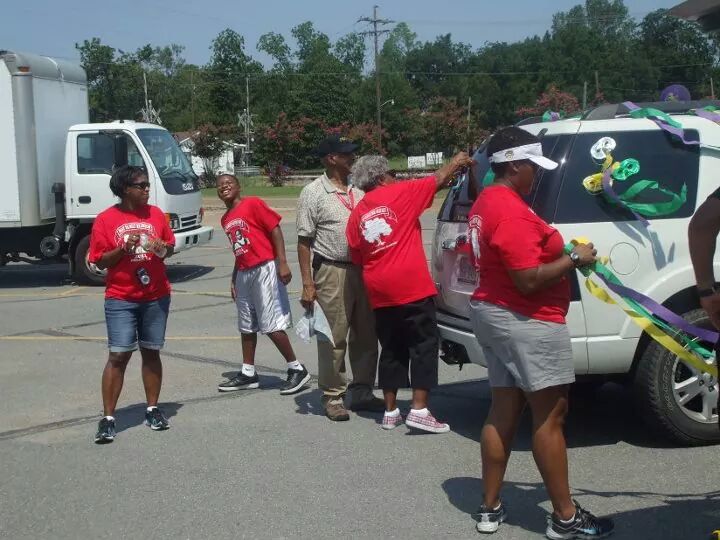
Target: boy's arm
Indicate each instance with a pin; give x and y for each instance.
(278, 243)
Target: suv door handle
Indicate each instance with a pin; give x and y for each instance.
(453, 245)
(84, 199)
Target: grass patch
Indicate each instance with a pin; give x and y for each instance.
(260, 190)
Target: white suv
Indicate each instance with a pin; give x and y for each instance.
(673, 397)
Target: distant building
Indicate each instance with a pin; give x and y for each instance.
(704, 12)
(232, 155)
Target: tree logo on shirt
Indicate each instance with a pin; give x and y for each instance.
(474, 231)
(376, 224)
(145, 231)
(237, 232)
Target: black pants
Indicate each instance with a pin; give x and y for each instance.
(408, 335)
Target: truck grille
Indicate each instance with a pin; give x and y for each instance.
(187, 222)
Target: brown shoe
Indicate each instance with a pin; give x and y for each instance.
(336, 411)
(370, 404)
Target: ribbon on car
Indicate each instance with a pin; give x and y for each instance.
(667, 328)
(610, 170)
(663, 120)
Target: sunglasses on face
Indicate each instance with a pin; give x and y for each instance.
(140, 185)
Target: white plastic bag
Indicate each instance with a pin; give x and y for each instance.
(314, 323)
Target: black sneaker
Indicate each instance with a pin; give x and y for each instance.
(583, 525)
(489, 519)
(240, 382)
(296, 379)
(106, 431)
(155, 419)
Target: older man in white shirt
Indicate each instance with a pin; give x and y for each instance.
(329, 277)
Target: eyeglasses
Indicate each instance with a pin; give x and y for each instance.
(140, 185)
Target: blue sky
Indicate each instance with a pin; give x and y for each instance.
(51, 27)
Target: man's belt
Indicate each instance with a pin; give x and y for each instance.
(319, 260)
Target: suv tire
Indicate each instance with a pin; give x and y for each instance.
(657, 372)
(86, 274)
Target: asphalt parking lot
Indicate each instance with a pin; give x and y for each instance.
(255, 464)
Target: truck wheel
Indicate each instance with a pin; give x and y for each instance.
(85, 271)
(676, 400)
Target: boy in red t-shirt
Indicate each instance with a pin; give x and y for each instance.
(385, 237)
(258, 284)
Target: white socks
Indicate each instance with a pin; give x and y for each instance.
(248, 369)
(151, 408)
(294, 365)
(420, 412)
(394, 413)
(110, 418)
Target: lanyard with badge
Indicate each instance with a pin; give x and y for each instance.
(347, 204)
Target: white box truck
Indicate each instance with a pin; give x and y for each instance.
(56, 166)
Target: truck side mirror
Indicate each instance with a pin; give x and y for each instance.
(120, 151)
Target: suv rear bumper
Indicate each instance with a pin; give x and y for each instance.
(194, 237)
(455, 330)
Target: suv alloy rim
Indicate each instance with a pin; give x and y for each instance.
(695, 393)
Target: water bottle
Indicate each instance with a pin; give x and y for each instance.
(143, 276)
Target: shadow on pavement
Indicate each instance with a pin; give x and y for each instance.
(55, 274)
(134, 415)
(598, 416)
(309, 403)
(665, 515)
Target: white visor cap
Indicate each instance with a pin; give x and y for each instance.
(532, 152)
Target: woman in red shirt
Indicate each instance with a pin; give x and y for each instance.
(131, 239)
(518, 314)
(385, 237)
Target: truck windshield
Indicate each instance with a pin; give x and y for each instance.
(175, 172)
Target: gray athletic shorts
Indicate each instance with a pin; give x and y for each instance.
(522, 352)
(262, 300)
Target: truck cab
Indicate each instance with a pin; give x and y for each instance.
(91, 152)
(57, 166)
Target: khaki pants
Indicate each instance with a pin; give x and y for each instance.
(342, 296)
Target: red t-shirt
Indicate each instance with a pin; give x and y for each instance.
(385, 237)
(505, 234)
(110, 230)
(248, 226)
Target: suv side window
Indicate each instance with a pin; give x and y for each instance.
(670, 163)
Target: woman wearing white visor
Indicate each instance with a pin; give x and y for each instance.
(518, 314)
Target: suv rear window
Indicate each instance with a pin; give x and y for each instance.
(542, 199)
(670, 163)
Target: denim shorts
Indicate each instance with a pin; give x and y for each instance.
(130, 323)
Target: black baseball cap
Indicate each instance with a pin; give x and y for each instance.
(335, 144)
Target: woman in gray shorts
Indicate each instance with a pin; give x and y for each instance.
(518, 315)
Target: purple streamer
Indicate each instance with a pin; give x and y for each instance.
(712, 116)
(610, 192)
(677, 132)
(661, 311)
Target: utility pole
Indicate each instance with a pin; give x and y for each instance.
(192, 99)
(584, 95)
(468, 119)
(245, 121)
(375, 21)
(597, 84)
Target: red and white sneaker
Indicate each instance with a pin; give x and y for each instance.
(425, 422)
(391, 422)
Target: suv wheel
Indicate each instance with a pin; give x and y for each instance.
(674, 398)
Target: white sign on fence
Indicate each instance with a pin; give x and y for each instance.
(416, 162)
(434, 158)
